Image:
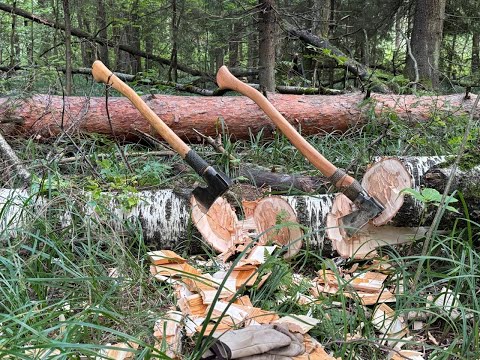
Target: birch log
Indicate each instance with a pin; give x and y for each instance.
(164, 215)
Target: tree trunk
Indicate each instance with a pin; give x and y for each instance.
(252, 51)
(164, 214)
(102, 32)
(426, 41)
(68, 48)
(13, 38)
(266, 45)
(233, 45)
(42, 114)
(173, 56)
(475, 52)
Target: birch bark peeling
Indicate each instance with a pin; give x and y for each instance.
(42, 114)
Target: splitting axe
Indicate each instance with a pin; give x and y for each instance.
(217, 182)
(368, 206)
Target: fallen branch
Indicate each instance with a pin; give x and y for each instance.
(15, 169)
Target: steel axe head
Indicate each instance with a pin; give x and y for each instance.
(217, 182)
(368, 208)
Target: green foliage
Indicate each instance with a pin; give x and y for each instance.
(430, 196)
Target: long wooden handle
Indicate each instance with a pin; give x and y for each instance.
(226, 80)
(102, 74)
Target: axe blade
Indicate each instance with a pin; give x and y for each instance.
(368, 208)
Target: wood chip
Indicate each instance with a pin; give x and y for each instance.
(386, 321)
(372, 298)
(244, 301)
(260, 253)
(406, 355)
(118, 354)
(245, 277)
(175, 269)
(298, 323)
(368, 281)
(192, 305)
(229, 313)
(162, 257)
(168, 326)
(192, 323)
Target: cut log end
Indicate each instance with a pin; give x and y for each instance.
(384, 181)
(271, 220)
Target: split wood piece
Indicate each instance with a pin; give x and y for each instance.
(373, 298)
(258, 315)
(214, 328)
(243, 301)
(385, 180)
(169, 325)
(245, 277)
(167, 331)
(192, 323)
(162, 257)
(368, 282)
(364, 297)
(207, 287)
(118, 354)
(217, 225)
(260, 252)
(192, 305)
(221, 228)
(229, 313)
(364, 243)
(313, 350)
(298, 323)
(263, 280)
(386, 321)
(175, 269)
(406, 355)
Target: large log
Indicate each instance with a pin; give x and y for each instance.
(46, 116)
(164, 214)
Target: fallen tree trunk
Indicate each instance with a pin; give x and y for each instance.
(48, 116)
(164, 214)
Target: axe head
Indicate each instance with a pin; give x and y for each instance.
(368, 208)
(217, 184)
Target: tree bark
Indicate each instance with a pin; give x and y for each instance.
(42, 114)
(266, 45)
(164, 214)
(426, 41)
(102, 32)
(475, 52)
(68, 48)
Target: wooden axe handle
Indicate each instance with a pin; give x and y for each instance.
(226, 80)
(102, 74)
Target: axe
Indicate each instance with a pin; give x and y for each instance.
(368, 206)
(217, 182)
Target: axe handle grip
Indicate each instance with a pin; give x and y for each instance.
(226, 80)
(102, 74)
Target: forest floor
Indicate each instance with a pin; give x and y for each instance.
(60, 298)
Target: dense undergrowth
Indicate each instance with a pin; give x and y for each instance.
(58, 292)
